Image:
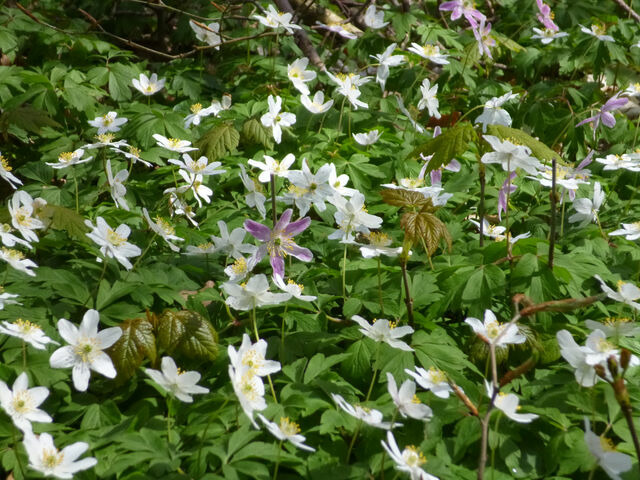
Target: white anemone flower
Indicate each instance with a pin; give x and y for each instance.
(370, 416)
(627, 161)
(587, 209)
(339, 183)
(5, 172)
(429, 100)
(385, 60)
(21, 209)
(379, 245)
(231, 244)
(194, 183)
(116, 184)
(299, 75)
(494, 114)
(368, 138)
(293, 288)
(311, 188)
(249, 390)
(108, 123)
(45, 458)
(113, 243)
(148, 85)
(317, 104)
(276, 119)
(633, 90)
(197, 167)
(494, 332)
(271, 166)
(173, 144)
(178, 383)
(67, 159)
(627, 292)
(286, 430)
(255, 293)
(26, 331)
(511, 156)
(198, 113)
(631, 231)
(408, 460)
(255, 198)
(85, 351)
(238, 270)
(209, 34)
(351, 216)
(598, 31)
(251, 357)
(432, 379)
(22, 403)
(497, 232)
(382, 330)
(612, 462)
(337, 28)
(349, 86)
(430, 52)
(274, 19)
(615, 327)
(17, 260)
(164, 229)
(106, 140)
(373, 18)
(547, 35)
(406, 401)
(507, 403)
(8, 239)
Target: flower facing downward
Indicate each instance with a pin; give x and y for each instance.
(164, 229)
(180, 384)
(612, 462)
(286, 430)
(148, 86)
(27, 331)
(507, 403)
(429, 100)
(627, 292)
(373, 18)
(45, 458)
(494, 332)
(383, 330)
(208, 34)
(86, 347)
(386, 59)
(5, 172)
(252, 294)
(368, 138)
(511, 156)
(369, 416)
(409, 460)
(494, 114)
(278, 243)
(587, 209)
(432, 379)
(405, 399)
(21, 403)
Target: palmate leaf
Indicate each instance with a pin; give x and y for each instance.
(254, 132)
(27, 118)
(137, 342)
(187, 332)
(63, 218)
(424, 228)
(406, 199)
(538, 149)
(218, 141)
(447, 146)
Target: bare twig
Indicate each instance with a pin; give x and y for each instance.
(552, 234)
(301, 37)
(629, 10)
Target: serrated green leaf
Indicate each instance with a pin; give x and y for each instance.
(254, 132)
(187, 332)
(219, 141)
(63, 218)
(137, 342)
(27, 118)
(538, 149)
(447, 146)
(424, 228)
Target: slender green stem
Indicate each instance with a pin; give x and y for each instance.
(552, 234)
(340, 118)
(257, 335)
(284, 317)
(169, 419)
(564, 203)
(24, 355)
(15, 451)
(344, 272)
(75, 180)
(206, 428)
(384, 452)
(407, 292)
(275, 469)
(375, 373)
(274, 213)
(482, 174)
(380, 288)
(139, 259)
(353, 440)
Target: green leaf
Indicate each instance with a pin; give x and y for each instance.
(137, 342)
(63, 218)
(187, 332)
(447, 146)
(538, 149)
(120, 76)
(319, 364)
(254, 132)
(27, 118)
(219, 141)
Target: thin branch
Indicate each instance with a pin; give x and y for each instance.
(629, 10)
(301, 38)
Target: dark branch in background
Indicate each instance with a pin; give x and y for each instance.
(552, 234)
(301, 37)
(629, 10)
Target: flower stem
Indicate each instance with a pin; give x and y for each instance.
(552, 235)
(24, 355)
(169, 419)
(141, 256)
(380, 288)
(75, 180)
(340, 118)
(481, 172)
(353, 441)
(257, 335)
(273, 200)
(375, 373)
(275, 470)
(407, 293)
(344, 273)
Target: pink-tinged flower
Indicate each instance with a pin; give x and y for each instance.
(604, 114)
(278, 243)
(458, 8)
(508, 185)
(546, 16)
(482, 32)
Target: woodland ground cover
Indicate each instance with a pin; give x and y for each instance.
(319, 239)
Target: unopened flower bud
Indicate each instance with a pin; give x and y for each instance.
(600, 371)
(612, 363)
(625, 357)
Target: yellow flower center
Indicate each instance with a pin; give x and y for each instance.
(205, 246)
(379, 239)
(415, 400)
(12, 254)
(22, 402)
(165, 226)
(604, 346)
(52, 458)
(105, 137)
(5, 164)
(149, 88)
(239, 266)
(298, 191)
(65, 157)
(134, 151)
(299, 285)
(437, 376)
(288, 428)
(599, 29)
(173, 142)
(431, 50)
(494, 329)
(615, 321)
(26, 326)
(196, 107)
(86, 349)
(413, 457)
(107, 120)
(607, 444)
(114, 239)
